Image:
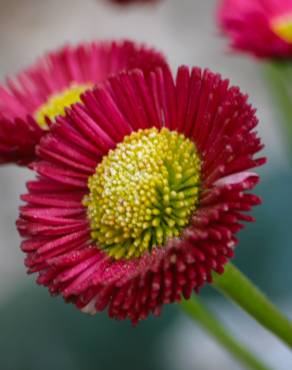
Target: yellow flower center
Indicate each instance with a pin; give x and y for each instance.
(56, 104)
(282, 26)
(143, 192)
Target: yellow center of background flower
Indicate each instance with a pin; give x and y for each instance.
(282, 26)
(56, 104)
(143, 192)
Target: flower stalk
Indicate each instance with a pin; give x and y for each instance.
(279, 78)
(208, 321)
(242, 291)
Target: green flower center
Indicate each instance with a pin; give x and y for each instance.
(56, 104)
(143, 192)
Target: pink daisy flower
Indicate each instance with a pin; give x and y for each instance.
(141, 190)
(259, 27)
(30, 102)
(126, 2)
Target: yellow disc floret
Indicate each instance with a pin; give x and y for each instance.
(282, 26)
(56, 104)
(143, 192)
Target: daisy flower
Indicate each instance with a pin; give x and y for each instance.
(126, 2)
(140, 191)
(30, 102)
(260, 27)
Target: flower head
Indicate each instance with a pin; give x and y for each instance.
(141, 190)
(30, 103)
(259, 27)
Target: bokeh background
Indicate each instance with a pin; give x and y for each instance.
(39, 332)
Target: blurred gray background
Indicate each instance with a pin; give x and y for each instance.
(186, 32)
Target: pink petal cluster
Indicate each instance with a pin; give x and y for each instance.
(249, 26)
(88, 63)
(54, 223)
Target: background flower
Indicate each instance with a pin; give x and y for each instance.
(259, 27)
(59, 239)
(124, 2)
(30, 102)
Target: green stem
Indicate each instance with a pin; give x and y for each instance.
(209, 322)
(242, 291)
(279, 77)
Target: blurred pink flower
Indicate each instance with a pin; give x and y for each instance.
(30, 101)
(260, 27)
(126, 2)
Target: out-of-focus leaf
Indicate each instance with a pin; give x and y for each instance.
(42, 333)
(265, 249)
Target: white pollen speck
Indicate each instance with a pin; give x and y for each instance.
(172, 259)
